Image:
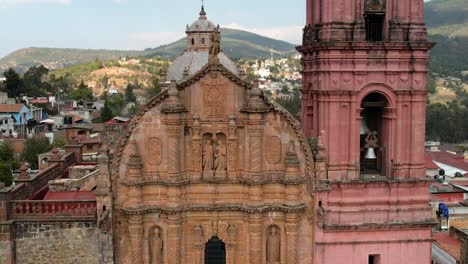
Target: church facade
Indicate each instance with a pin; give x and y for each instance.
(213, 171)
(209, 170)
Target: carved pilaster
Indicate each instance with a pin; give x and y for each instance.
(292, 221)
(173, 152)
(231, 244)
(255, 231)
(198, 241)
(256, 151)
(135, 230)
(232, 147)
(174, 243)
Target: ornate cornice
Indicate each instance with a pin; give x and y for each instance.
(139, 183)
(382, 226)
(215, 208)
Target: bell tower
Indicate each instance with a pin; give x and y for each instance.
(363, 97)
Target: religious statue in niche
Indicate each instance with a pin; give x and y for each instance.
(156, 246)
(220, 157)
(273, 246)
(375, 5)
(215, 43)
(208, 156)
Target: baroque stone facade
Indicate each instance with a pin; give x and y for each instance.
(209, 161)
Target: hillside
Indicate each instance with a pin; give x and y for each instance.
(54, 58)
(236, 43)
(447, 23)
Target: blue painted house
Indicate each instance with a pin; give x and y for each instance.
(20, 113)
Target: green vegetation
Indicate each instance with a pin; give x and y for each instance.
(32, 148)
(447, 24)
(7, 163)
(291, 101)
(83, 92)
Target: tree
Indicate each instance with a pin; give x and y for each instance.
(129, 95)
(12, 84)
(6, 152)
(106, 112)
(32, 148)
(5, 174)
(82, 93)
(33, 81)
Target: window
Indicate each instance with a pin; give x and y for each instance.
(375, 27)
(374, 259)
(193, 41)
(203, 41)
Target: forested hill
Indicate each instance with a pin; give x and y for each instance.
(447, 22)
(236, 44)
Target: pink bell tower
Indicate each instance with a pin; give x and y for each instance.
(363, 98)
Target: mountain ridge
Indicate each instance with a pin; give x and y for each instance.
(235, 43)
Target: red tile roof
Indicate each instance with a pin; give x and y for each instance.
(70, 196)
(429, 163)
(450, 159)
(449, 244)
(11, 108)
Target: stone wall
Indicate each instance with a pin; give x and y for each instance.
(56, 243)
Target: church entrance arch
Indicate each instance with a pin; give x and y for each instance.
(215, 251)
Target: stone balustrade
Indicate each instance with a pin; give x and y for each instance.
(52, 210)
(63, 185)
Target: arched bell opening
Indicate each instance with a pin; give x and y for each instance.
(373, 136)
(215, 251)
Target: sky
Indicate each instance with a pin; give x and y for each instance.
(137, 24)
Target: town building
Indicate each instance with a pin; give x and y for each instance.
(364, 95)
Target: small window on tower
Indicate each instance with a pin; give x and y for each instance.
(193, 41)
(375, 27)
(203, 41)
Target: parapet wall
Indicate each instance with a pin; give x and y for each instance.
(56, 243)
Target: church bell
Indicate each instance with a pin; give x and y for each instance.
(370, 154)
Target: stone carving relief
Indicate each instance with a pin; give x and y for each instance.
(208, 154)
(273, 150)
(214, 156)
(214, 96)
(375, 5)
(273, 247)
(220, 157)
(222, 229)
(156, 246)
(154, 151)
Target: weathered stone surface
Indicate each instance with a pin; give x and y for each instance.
(56, 243)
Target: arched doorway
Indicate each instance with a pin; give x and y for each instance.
(215, 251)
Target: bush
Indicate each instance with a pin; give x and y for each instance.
(32, 148)
(5, 174)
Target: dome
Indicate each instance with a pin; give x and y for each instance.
(202, 24)
(192, 62)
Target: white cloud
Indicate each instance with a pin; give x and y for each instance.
(292, 34)
(8, 3)
(154, 39)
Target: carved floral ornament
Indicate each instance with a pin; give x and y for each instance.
(375, 5)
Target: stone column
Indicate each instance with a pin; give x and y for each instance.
(135, 230)
(196, 148)
(173, 152)
(198, 245)
(255, 151)
(291, 225)
(232, 148)
(231, 244)
(255, 230)
(173, 247)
